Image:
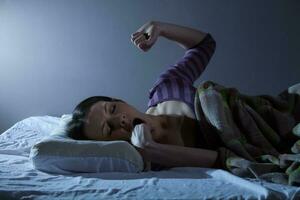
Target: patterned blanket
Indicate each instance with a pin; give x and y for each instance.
(256, 136)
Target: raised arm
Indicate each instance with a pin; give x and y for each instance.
(146, 36)
(199, 48)
(184, 36)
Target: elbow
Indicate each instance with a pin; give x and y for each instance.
(212, 43)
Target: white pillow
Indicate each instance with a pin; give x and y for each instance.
(58, 153)
(294, 89)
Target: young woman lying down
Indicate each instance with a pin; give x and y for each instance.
(192, 126)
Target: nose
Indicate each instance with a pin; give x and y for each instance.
(125, 122)
(121, 121)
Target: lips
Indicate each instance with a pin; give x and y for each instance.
(130, 126)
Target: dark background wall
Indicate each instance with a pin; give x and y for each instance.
(53, 54)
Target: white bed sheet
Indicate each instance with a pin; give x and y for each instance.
(18, 179)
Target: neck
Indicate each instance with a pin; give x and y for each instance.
(163, 127)
(154, 121)
(163, 121)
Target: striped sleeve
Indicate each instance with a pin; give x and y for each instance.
(176, 82)
(193, 63)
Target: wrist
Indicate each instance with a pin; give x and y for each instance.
(150, 145)
(160, 27)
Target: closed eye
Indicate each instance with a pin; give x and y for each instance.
(113, 108)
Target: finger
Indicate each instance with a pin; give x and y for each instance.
(145, 35)
(135, 34)
(134, 38)
(139, 40)
(137, 37)
(146, 129)
(143, 46)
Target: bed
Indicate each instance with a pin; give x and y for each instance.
(19, 180)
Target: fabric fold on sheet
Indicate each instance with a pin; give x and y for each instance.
(256, 136)
(225, 176)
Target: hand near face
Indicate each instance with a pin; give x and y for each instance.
(141, 136)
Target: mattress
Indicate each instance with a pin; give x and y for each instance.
(19, 180)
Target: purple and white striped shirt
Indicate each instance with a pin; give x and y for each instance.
(176, 83)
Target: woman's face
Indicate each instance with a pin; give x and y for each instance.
(110, 121)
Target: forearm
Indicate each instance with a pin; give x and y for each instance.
(184, 36)
(179, 156)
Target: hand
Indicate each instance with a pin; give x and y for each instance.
(145, 37)
(141, 136)
(146, 161)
